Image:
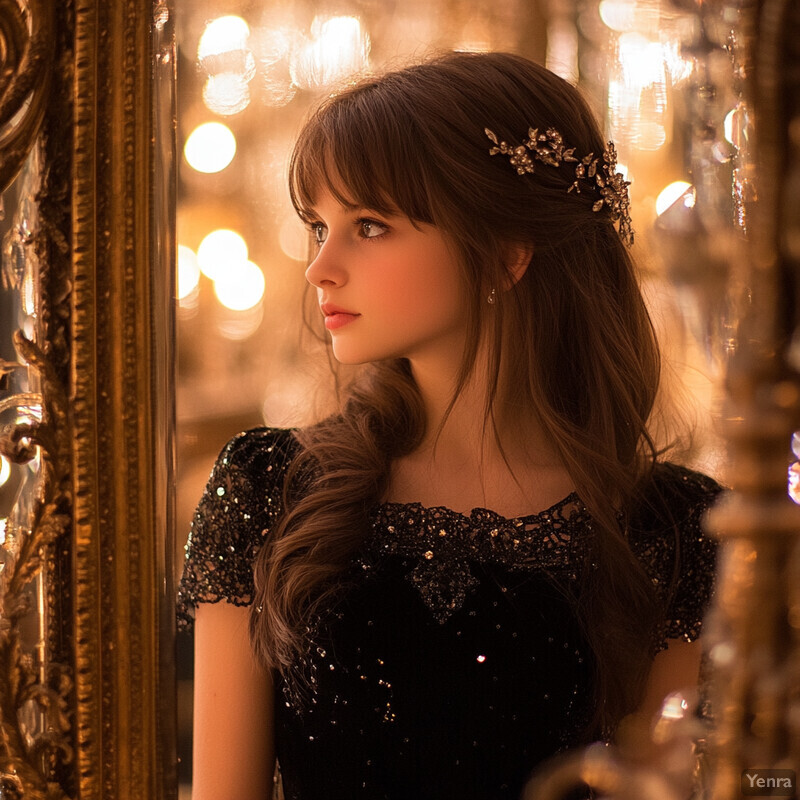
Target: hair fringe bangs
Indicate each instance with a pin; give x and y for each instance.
(362, 153)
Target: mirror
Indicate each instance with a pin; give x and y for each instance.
(33, 451)
(87, 125)
(248, 73)
(35, 624)
(86, 560)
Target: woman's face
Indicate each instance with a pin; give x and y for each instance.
(388, 288)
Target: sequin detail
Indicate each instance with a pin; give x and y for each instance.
(445, 543)
(240, 505)
(386, 693)
(229, 528)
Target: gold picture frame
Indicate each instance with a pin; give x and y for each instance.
(88, 85)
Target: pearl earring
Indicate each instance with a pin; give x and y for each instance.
(492, 298)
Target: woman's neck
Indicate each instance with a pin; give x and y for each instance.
(465, 460)
(457, 419)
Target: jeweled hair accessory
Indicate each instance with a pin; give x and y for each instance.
(601, 172)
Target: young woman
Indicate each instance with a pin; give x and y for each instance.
(481, 560)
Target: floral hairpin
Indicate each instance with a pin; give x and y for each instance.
(600, 172)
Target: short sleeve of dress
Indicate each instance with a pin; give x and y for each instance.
(239, 507)
(668, 537)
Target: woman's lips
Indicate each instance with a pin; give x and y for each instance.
(338, 319)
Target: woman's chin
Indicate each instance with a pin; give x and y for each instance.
(351, 357)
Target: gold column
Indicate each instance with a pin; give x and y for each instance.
(121, 386)
(87, 105)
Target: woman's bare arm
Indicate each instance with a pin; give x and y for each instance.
(674, 669)
(234, 756)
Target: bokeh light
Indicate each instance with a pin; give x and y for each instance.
(671, 194)
(737, 126)
(237, 326)
(293, 239)
(219, 250)
(675, 706)
(619, 15)
(337, 49)
(226, 93)
(277, 90)
(274, 46)
(240, 286)
(210, 147)
(727, 125)
(224, 54)
(637, 96)
(188, 272)
(223, 35)
(642, 60)
(680, 68)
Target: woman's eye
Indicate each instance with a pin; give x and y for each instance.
(370, 228)
(319, 232)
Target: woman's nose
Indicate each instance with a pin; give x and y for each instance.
(325, 269)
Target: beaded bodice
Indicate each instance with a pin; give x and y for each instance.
(453, 664)
(444, 543)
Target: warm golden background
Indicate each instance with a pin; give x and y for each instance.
(247, 75)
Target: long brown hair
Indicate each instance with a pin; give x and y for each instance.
(573, 331)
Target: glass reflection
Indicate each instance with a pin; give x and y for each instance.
(22, 601)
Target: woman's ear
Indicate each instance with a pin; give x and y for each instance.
(517, 261)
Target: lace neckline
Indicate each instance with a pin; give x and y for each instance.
(392, 508)
(441, 546)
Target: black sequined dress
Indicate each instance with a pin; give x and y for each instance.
(453, 666)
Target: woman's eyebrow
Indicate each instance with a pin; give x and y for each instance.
(383, 211)
(309, 214)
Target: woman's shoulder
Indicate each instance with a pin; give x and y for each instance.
(671, 495)
(668, 474)
(252, 466)
(239, 507)
(259, 446)
(668, 534)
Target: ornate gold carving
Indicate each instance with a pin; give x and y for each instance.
(121, 416)
(26, 65)
(103, 331)
(32, 756)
